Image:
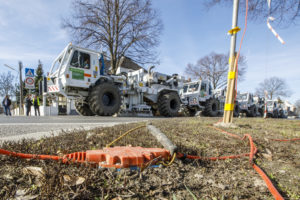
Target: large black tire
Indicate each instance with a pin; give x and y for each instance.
(251, 112)
(261, 111)
(192, 112)
(188, 112)
(280, 115)
(275, 114)
(169, 104)
(211, 108)
(105, 99)
(83, 109)
(236, 111)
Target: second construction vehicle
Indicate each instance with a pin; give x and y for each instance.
(79, 74)
(275, 110)
(199, 96)
(250, 105)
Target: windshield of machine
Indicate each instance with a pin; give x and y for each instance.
(243, 97)
(194, 87)
(81, 60)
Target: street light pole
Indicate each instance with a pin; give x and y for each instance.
(21, 88)
(230, 93)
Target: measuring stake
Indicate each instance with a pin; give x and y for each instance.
(230, 93)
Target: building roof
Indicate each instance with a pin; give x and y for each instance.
(128, 63)
(125, 62)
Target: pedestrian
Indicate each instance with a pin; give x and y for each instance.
(6, 104)
(28, 104)
(36, 104)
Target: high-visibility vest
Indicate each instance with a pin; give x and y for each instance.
(38, 101)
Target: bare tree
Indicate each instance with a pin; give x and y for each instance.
(121, 27)
(39, 76)
(276, 87)
(214, 67)
(6, 84)
(285, 11)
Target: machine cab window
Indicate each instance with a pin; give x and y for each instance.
(194, 87)
(185, 88)
(81, 60)
(203, 87)
(210, 90)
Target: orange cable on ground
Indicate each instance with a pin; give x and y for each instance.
(29, 156)
(286, 140)
(253, 151)
(269, 183)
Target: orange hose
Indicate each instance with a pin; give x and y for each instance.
(286, 140)
(253, 151)
(29, 156)
(77, 157)
(226, 132)
(271, 187)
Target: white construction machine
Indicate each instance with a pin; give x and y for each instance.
(275, 109)
(79, 74)
(250, 105)
(199, 96)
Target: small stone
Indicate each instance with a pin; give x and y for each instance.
(198, 176)
(67, 178)
(20, 195)
(37, 171)
(117, 198)
(267, 156)
(80, 180)
(7, 176)
(259, 183)
(268, 151)
(221, 186)
(89, 134)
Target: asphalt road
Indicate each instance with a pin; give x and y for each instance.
(19, 127)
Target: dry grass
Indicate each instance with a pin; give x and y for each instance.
(230, 179)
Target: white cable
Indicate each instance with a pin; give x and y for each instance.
(269, 25)
(273, 31)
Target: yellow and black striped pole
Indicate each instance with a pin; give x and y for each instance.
(230, 93)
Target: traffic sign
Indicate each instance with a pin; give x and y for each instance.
(29, 83)
(29, 72)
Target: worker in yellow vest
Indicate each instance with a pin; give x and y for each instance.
(36, 104)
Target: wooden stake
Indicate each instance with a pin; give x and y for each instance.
(230, 93)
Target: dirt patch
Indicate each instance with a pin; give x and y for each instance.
(185, 179)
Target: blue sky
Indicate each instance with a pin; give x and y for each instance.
(31, 30)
